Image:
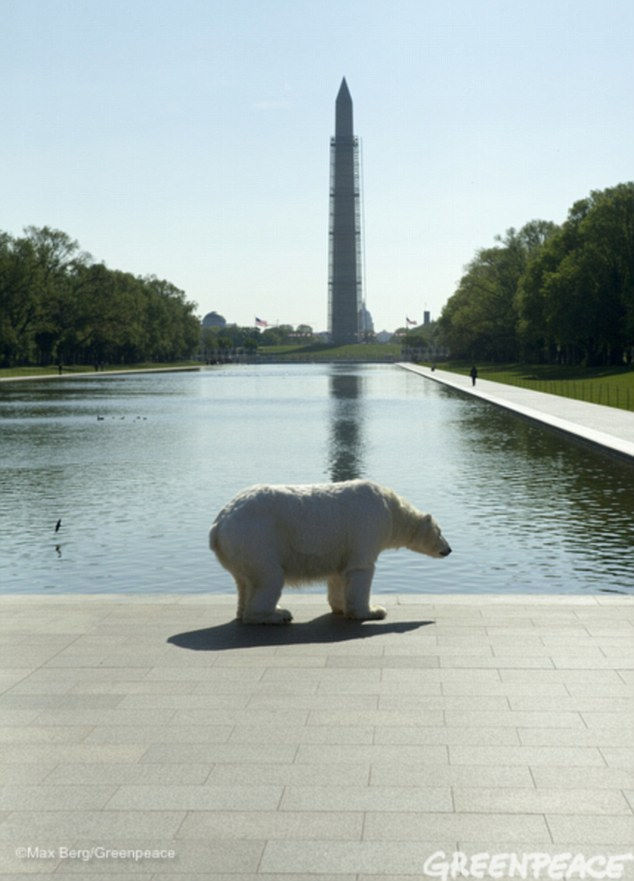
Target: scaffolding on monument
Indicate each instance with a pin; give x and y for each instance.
(358, 241)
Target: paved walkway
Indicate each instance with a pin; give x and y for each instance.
(608, 427)
(325, 750)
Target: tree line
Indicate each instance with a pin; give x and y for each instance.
(58, 306)
(552, 294)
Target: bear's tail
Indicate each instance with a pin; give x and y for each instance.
(213, 538)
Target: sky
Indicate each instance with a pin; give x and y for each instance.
(189, 139)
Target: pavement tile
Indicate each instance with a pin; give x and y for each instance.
(408, 701)
(290, 774)
(498, 827)
(515, 719)
(597, 679)
(445, 735)
(25, 775)
(55, 827)
(116, 775)
(142, 687)
(303, 733)
(179, 701)
(599, 737)
(395, 774)
(321, 675)
(264, 716)
(508, 662)
(310, 754)
(208, 675)
(198, 753)
(170, 733)
(574, 662)
(74, 752)
(394, 688)
(140, 717)
(260, 876)
(366, 798)
(8, 678)
(497, 687)
(320, 700)
(614, 688)
(441, 675)
(619, 757)
(270, 825)
(552, 801)
(336, 858)
(525, 755)
(45, 701)
(195, 798)
(573, 704)
(54, 798)
(391, 662)
(44, 734)
(612, 830)
(13, 718)
(578, 778)
(48, 681)
(623, 721)
(271, 689)
(375, 717)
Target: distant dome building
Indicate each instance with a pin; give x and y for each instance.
(212, 319)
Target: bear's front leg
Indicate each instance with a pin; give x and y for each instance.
(357, 595)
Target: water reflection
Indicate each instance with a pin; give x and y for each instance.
(552, 496)
(345, 451)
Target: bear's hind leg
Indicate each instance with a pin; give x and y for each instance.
(358, 584)
(336, 598)
(261, 601)
(242, 587)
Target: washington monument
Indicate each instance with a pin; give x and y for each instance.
(345, 295)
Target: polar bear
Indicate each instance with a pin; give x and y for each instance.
(271, 535)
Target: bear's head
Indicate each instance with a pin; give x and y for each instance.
(428, 539)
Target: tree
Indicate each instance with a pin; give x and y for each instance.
(56, 304)
(480, 320)
(576, 297)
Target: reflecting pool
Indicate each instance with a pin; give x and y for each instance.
(136, 467)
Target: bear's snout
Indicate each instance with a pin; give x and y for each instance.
(446, 552)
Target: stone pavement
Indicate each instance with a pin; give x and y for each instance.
(325, 750)
(607, 427)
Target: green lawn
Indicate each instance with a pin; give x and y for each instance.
(613, 386)
(327, 352)
(52, 370)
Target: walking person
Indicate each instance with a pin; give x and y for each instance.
(473, 373)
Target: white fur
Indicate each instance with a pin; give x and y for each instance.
(271, 535)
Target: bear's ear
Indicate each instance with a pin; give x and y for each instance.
(426, 518)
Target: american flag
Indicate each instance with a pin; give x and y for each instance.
(259, 322)
(410, 320)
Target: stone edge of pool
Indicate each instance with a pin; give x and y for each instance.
(391, 600)
(574, 417)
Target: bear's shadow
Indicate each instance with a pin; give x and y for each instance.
(327, 628)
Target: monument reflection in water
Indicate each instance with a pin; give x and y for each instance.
(346, 447)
